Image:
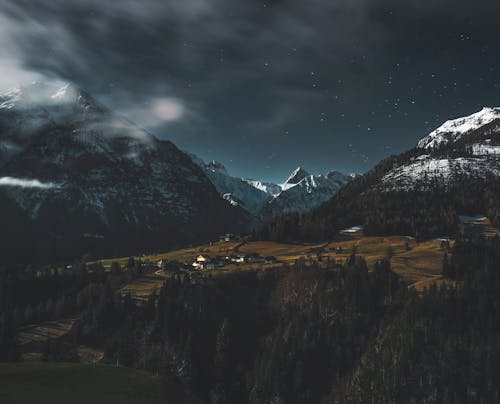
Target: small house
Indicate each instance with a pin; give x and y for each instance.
(201, 259)
(240, 259)
(228, 237)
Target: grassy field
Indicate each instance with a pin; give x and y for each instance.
(418, 264)
(421, 266)
(58, 383)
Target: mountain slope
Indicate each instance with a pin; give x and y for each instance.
(454, 170)
(238, 191)
(74, 178)
(464, 147)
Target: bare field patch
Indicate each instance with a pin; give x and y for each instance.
(141, 288)
(45, 331)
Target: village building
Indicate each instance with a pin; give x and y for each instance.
(228, 237)
(201, 259)
(161, 264)
(240, 259)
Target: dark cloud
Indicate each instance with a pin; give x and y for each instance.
(324, 83)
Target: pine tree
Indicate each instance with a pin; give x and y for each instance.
(9, 348)
(221, 364)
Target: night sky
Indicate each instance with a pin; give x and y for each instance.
(266, 86)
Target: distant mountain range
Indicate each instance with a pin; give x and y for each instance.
(300, 193)
(75, 178)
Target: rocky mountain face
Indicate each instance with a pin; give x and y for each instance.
(76, 178)
(295, 178)
(300, 193)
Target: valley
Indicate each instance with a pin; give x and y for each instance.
(327, 254)
(271, 202)
(418, 264)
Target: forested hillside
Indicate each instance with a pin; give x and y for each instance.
(426, 210)
(442, 346)
(306, 333)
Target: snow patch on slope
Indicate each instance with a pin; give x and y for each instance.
(479, 149)
(267, 187)
(39, 94)
(426, 169)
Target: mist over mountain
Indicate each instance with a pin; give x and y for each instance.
(75, 178)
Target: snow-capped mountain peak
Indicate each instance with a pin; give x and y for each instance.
(36, 110)
(295, 177)
(299, 193)
(454, 130)
(303, 192)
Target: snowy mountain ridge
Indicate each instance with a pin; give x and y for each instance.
(303, 192)
(453, 130)
(460, 148)
(299, 193)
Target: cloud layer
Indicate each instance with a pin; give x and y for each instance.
(218, 76)
(26, 183)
